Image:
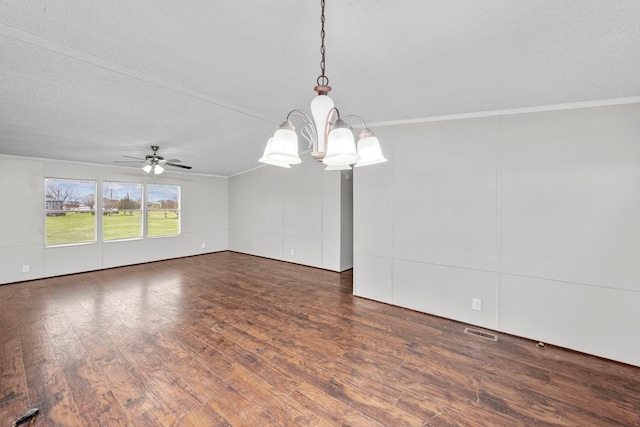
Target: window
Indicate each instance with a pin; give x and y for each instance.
(121, 210)
(163, 210)
(69, 211)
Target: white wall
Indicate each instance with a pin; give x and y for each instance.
(204, 220)
(536, 214)
(298, 215)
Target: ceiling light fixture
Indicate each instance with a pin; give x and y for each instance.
(155, 167)
(329, 136)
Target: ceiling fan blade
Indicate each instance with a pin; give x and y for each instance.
(154, 159)
(178, 166)
(137, 158)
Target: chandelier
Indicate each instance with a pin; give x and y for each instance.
(329, 136)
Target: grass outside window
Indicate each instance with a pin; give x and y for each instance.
(163, 223)
(123, 225)
(79, 227)
(71, 228)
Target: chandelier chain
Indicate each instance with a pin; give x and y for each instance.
(322, 79)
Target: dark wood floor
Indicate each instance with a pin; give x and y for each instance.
(231, 339)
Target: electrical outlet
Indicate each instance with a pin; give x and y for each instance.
(25, 268)
(204, 246)
(476, 304)
(293, 252)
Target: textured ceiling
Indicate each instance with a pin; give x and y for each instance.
(209, 81)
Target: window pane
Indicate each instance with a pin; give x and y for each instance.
(121, 210)
(69, 210)
(163, 210)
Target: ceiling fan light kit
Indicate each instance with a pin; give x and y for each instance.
(155, 168)
(328, 135)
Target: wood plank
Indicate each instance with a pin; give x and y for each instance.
(261, 393)
(332, 410)
(12, 374)
(221, 396)
(103, 410)
(48, 391)
(205, 415)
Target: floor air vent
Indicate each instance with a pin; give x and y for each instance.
(481, 334)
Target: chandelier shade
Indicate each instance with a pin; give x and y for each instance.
(369, 149)
(284, 146)
(341, 147)
(266, 158)
(337, 167)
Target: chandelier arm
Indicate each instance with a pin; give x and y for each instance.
(308, 131)
(299, 114)
(328, 125)
(353, 116)
(308, 135)
(332, 112)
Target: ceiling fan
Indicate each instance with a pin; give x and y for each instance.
(154, 162)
